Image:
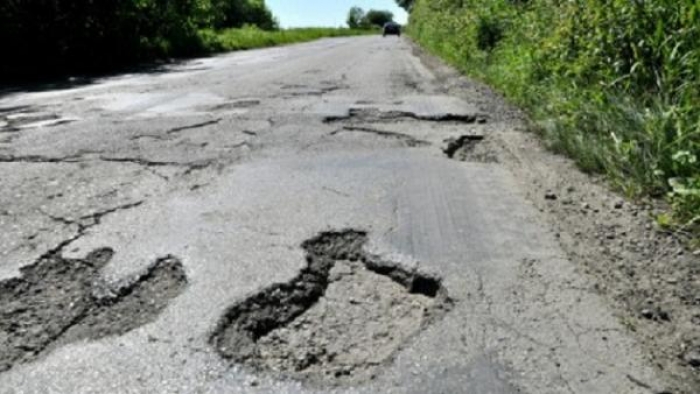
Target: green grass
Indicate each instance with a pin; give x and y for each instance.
(252, 37)
(613, 84)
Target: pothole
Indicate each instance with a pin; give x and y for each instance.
(58, 301)
(368, 115)
(469, 148)
(338, 322)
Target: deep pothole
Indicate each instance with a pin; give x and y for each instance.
(59, 301)
(470, 148)
(338, 322)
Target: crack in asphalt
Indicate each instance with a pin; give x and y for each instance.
(166, 136)
(314, 92)
(190, 167)
(84, 223)
(194, 126)
(40, 159)
(374, 115)
(80, 158)
(239, 104)
(409, 140)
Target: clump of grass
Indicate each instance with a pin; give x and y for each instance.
(612, 83)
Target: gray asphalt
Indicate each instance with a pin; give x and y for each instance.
(230, 163)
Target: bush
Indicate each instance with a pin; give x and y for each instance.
(488, 33)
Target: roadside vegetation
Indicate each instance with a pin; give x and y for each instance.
(47, 39)
(250, 37)
(359, 19)
(615, 84)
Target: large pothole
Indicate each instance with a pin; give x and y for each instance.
(58, 301)
(337, 322)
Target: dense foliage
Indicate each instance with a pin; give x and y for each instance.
(45, 37)
(378, 18)
(613, 83)
(359, 19)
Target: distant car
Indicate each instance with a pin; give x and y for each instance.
(392, 28)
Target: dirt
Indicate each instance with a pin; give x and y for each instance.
(58, 301)
(337, 322)
(648, 275)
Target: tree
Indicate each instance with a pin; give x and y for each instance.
(377, 18)
(236, 13)
(405, 4)
(355, 17)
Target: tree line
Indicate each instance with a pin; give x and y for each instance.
(359, 19)
(49, 37)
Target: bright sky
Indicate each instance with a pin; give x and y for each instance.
(295, 13)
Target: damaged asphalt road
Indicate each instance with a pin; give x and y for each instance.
(324, 217)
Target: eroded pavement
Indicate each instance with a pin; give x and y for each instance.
(313, 218)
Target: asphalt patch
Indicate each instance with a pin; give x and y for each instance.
(342, 318)
(57, 301)
(469, 148)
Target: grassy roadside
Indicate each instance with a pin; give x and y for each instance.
(253, 37)
(613, 84)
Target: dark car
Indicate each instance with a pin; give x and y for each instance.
(392, 28)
